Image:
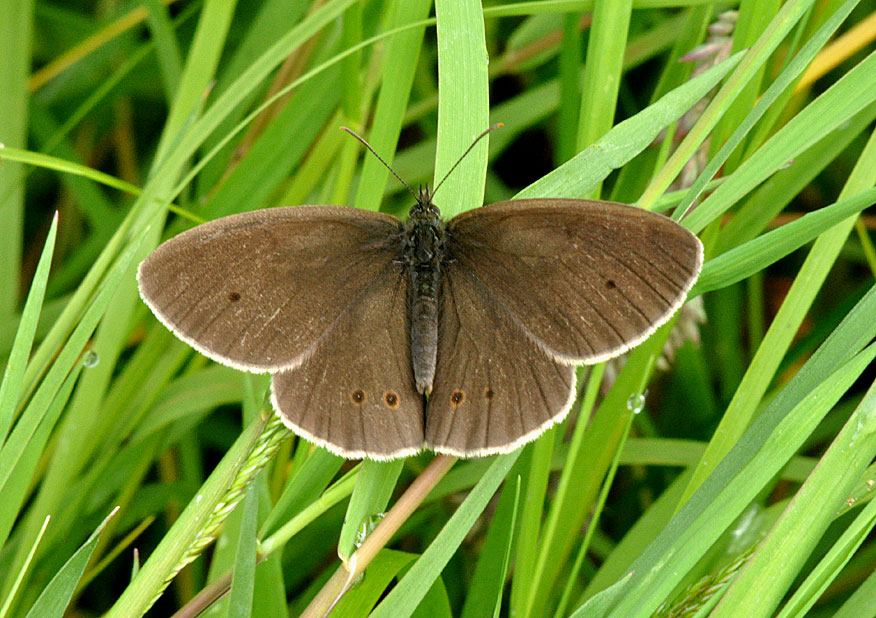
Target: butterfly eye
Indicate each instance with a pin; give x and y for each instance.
(391, 399)
(234, 297)
(610, 284)
(488, 393)
(358, 396)
(457, 398)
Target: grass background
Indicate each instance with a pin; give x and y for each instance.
(736, 483)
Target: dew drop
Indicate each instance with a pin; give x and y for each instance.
(636, 403)
(90, 360)
(367, 527)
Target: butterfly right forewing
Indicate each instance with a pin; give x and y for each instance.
(585, 279)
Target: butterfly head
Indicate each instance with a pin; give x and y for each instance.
(424, 208)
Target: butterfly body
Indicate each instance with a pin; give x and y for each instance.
(358, 315)
(424, 256)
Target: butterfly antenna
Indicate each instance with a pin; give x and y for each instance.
(379, 158)
(473, 144)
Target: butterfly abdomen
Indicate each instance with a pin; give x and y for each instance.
(424, 253)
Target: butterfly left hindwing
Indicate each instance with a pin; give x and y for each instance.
(355, 394)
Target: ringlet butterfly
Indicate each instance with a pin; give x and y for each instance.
(385, 337)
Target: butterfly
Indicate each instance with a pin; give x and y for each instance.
(384, 337)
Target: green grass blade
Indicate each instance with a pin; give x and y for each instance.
(788, 319)
(590, 458)
(303, 488)
(747, 69)
(270, 22)
(506, 557)
(531, 513)
(364, 595)
(603, 70)
(860, 604)
(171, 552)
(626, 139)
(45, 161)
(11, 386)
(637, 538)
(405, 597)
(851, 93)
(399, 63)
(759, 455)
(54, 599)
(855, 331)
(753, 19)
(166, 46)
(757, 254)
(23, 572)
(16, 41)
(601, 603)
(197, 73)
(463, 104)
(238, 90)
(775, 90)
(255, 180)
(22, 457)
(240, 603)
(570, 100)
(374, 486)
(764, 581)
(775, 194)
(829, 567)
(64, 363)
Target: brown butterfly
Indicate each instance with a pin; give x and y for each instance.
(386, 337)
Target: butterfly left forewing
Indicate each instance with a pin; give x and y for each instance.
(257, 290)
(494, 388)
(355, 393)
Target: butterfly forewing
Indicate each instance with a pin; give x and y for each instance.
(355, 393)
(257, 290)
(494, 388)
(587, 280)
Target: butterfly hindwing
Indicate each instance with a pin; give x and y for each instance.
(494, 388)
(355, 393)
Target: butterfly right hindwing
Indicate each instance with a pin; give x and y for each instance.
(494, 388)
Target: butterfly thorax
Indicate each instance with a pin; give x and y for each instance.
(424, 253)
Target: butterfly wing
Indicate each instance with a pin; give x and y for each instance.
(257, 290)
(494, 388)
(586, 280)
(355, 394)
